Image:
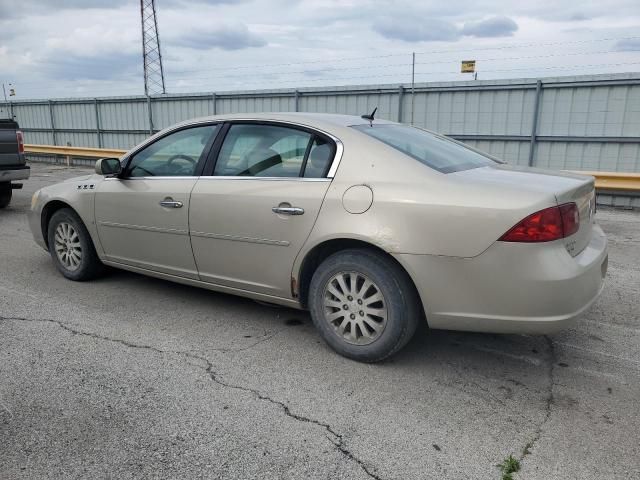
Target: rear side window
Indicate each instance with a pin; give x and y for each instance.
(258, 150)
(435, 151)
(262, 151)
(319, 160)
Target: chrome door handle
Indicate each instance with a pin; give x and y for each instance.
(170, 203)
(288, 210)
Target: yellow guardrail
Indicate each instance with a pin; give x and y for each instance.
(81, 152)
(617, 181)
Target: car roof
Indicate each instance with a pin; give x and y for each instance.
(319, 120)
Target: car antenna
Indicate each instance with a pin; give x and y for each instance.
(370, 117)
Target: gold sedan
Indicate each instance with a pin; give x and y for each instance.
(370, 225)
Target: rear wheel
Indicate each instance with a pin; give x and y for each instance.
(364, 305)
(5, 194)
(71, 247)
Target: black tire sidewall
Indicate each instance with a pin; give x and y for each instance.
(399, 294)
(5, 194)
(89, 263)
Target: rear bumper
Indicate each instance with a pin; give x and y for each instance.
(510, 288)
(8, 174)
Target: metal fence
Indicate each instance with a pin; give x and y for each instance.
(577, 123)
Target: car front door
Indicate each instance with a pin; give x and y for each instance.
(142, 216)
(253, 210)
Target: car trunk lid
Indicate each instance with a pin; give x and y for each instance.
(583, 194)
(564, 186)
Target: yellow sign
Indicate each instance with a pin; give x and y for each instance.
(468, 66)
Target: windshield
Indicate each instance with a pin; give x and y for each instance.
(435, 151)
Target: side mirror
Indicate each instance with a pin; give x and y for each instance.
(108, 166)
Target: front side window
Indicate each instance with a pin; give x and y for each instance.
(435, 151)
(256, 150)
(176, 154)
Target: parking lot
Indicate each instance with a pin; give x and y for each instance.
(133, 377)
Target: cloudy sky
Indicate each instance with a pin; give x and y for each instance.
(71, 48)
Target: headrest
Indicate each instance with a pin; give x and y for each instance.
(319, 155)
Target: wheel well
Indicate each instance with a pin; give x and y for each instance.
(47, 212)
(320, 252)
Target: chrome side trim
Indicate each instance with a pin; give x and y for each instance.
(173, 231)
(152, 178)
(223, 177)
(237, 238)
(270, 179)
(336, 160)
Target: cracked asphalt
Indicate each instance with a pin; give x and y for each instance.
(132, 377)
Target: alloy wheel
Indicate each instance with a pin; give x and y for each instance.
(356, 308)
(67, 246)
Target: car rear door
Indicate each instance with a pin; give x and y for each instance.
(142, 217)
(254, 208)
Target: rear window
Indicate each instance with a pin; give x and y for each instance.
(435, 151)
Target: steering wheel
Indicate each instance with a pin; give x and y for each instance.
(181, 157)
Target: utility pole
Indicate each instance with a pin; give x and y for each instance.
(12, 93)
(5, 94)
(151, 56)
(413, 84)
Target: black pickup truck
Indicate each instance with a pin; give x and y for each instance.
(12, 162)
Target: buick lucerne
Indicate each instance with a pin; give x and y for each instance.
(371, 225)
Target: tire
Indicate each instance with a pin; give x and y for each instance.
(5, 194)
(76, 257)
(382, 315)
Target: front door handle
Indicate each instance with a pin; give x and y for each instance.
(288, 210)
(170, 203)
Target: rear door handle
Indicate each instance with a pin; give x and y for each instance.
(170, 203)
(288, 210)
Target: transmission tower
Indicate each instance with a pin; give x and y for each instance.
(151, 56)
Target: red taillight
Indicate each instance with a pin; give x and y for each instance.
(570, 218)
(20, 139)
(546, 225)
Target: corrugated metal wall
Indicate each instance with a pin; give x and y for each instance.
(586, 122)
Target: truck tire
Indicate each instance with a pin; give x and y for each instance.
(5, 194)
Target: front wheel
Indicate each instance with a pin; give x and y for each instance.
(71, 247)
(364, 305)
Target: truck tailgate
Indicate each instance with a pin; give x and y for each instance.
(9, 153)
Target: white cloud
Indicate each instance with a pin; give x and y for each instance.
(416, 29)
(231, 36)
(91, 47)
(491, 27)
(628, 45)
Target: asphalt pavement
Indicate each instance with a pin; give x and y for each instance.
(133, 377)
